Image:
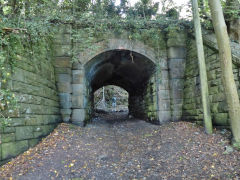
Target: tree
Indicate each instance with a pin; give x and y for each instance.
(145, 9)
(202, 69)
(226, 67)
(232, 10)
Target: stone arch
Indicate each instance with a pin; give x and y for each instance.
(166, 79)
(148, 94)
(118, 44)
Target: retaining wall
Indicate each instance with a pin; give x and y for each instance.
(33, 83)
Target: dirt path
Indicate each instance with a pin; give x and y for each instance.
(119, 148)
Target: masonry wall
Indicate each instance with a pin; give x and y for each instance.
(192, 108)
(143, 104)
(33, 83)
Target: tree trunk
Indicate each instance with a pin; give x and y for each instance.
(226, 67)
(202, 69)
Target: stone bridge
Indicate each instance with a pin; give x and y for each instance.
(153, 80)
(163, 84)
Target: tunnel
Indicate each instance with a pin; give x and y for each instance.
(129, 70)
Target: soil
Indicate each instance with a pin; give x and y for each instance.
(116, 147)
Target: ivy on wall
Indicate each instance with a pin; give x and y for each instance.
(26, 42)
(151, 32)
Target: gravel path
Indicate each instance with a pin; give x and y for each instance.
(114, 147)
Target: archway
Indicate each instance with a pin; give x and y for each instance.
(130, 70)
(153, 78)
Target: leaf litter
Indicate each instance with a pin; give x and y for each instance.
(115, 147)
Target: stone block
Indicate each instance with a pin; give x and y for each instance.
(176, 68)
(10, 137)
(63, 50)
(211, 75)
(37, 129)
(176, 63)
(176, 84)
(66, 111)
(38, 134)
(24, 132)
(66, 114)
(176, 95)
(77, 76)
(214, 90)
(34, 120)
(63, 62)
(163, 84)
(176, 115)
(63, 39)
(17, 122)
(33, 142)
(164, 116)
(78, 116)
(163, 64)
(63, 70)
(214, 108)
(177, 106)
(221, 119)
(46, 129)
(62, 78)
(176, 39)
(176, 53)
(223, 107)
(164, 105)
(19, 75)
(77, 66)
(64, 87)
(66, 118)
(165, 74)
(163, 95)
(12, 149)
(9, 129)
(78, 101)
(78, 89)
(51, 119)
(189, 106)
(65, 100)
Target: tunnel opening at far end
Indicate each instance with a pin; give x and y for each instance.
(129, 70)
(111, 99)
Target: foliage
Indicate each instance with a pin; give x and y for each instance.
(231, 10)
